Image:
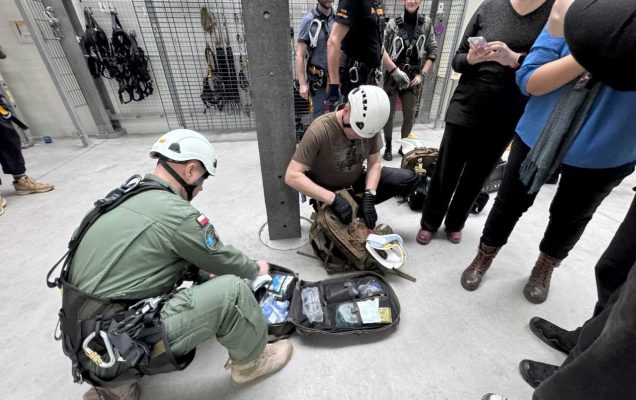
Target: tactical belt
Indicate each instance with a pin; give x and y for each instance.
(105, 331)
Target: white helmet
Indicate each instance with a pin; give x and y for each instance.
(185, 145)
(388, 250)
(369, 110)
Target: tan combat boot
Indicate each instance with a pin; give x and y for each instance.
(3, 202)
(471, 277)
(273, 358)
(26, 185)
(538, 286)
(131, 391)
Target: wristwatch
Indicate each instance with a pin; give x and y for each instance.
(370, 191)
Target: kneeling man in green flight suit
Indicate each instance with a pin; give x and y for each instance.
(141, 249)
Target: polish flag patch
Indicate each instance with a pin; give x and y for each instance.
(202, 220)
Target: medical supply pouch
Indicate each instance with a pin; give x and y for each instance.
(358, 302)
(341, 247)
(422, 160)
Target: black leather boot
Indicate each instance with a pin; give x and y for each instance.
(535, 372)
(387, 150)
(554, 336)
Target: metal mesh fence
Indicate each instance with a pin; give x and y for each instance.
(131, 21)
(56, 54)
(199, 63)
(211, 93)
(201, 45)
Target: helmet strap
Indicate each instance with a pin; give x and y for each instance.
(189, 189)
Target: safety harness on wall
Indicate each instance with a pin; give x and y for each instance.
(122, 59)
(127, 331)
(212, 84)
(130, 66)
(96, 46)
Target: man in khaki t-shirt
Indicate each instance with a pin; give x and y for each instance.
(332, 152)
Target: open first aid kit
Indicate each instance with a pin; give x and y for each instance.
(358, 302)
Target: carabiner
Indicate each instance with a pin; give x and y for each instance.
(94, 356)
(353, 71)
(379, 77)
(313, 38)
(131, 183)
(397, 42)
(419, 45)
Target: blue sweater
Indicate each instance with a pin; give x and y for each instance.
(607, 138)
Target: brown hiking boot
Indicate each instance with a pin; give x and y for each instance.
(538, 286)
(471, 277)
(26, 185)
(273, 358)
(131, 391)
(3, 202)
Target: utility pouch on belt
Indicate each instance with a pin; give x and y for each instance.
(104, 331)
(353, 303)
(422, 160)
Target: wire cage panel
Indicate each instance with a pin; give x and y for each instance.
(132, 19)
(211, 93)
(56, 54)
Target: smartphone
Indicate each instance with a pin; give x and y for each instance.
(478, 42)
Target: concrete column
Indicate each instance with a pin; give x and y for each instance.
(267, 25)
(77, 62)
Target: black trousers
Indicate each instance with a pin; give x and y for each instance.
(467, 156)
(365, 76)
(393, 182)
(11, 157)
(602, 365)
(580, 192)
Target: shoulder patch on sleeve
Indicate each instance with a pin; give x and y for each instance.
(202, 220)
(212, 240)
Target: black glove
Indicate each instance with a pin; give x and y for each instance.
(333, 97)
(342, 209)
(368, 207)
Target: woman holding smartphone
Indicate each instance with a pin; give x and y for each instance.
(483, 111)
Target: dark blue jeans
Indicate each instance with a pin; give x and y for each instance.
(580, 192)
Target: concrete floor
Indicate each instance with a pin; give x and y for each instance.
(450, 344)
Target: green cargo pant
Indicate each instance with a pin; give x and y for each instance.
(223, 307)
(408, 97)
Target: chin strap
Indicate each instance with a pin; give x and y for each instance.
(187, 187)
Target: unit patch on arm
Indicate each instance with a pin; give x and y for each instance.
(212, 240)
